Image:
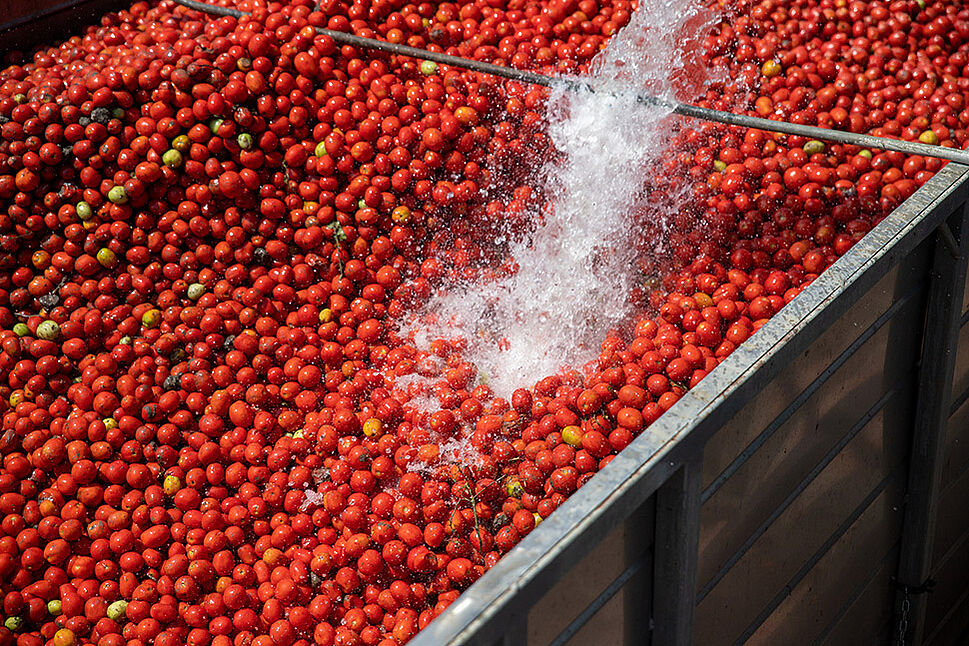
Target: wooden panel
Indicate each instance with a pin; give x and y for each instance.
(952, 579)
(802, 529)
(737, 434)
(868, 619)
(952, 522)
(956, 455)
(814, 602)
(624, 617)
(577, 589)
(757, 488)
(960, 379)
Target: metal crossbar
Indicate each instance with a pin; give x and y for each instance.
(684, 109)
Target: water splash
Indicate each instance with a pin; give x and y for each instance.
(576, 271)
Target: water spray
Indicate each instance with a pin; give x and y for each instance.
(684, 109)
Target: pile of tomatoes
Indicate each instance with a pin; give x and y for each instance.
(211, 226)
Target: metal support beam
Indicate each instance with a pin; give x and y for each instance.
(677, 546)
(943, 314)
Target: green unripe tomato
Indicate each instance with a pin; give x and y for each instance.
(48, 330)
(21, 329)
(181, 143)
(151, 318)
(813, 147)
(116, 610)
(117, 195)
(84, 210)
(106, 257)
(195, 291)
(172, 158)
(428, 68)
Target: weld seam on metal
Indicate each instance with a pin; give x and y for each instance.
(569, 631)
(804, 395)
(804, 484)
(820, 554)
(888, 560)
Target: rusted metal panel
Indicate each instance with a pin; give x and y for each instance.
(14, 10)
(602, 626)
(947, 614)
(677, 535)
(953, 628)
(965, 303)
(936, 368)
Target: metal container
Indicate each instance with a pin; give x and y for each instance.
(810, 490)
